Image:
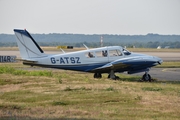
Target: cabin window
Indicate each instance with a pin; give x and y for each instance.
(89, 54)
(102, 53)
(116, 52)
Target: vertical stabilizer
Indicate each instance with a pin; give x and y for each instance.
(27, 45)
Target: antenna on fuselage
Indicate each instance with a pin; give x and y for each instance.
(62, 50)
(86, 47)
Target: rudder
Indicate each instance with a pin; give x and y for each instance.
(27, 45)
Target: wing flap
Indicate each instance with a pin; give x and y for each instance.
(115, 65)
(103, 68)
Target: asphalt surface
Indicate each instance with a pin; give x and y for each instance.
(169, 74)
(164, 74)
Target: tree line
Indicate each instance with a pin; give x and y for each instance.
(77, 40)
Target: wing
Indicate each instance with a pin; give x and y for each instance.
(114, 65)
(130, 64)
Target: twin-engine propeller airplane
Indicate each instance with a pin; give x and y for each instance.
(109, 59)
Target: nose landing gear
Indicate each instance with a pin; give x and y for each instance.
(146, 77)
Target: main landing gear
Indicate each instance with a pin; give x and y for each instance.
(113, 76)
(110, 76)
(97, 75)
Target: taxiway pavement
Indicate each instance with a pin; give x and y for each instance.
(164, 74)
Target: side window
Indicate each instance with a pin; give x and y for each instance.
(119, 52)
(102, 53)
(126, 52)
(116, 52)
(89, 54)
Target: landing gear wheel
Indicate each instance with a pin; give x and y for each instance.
(112, 75)
(108, 76)
(115, 77)
(97, 75)
(146, 77)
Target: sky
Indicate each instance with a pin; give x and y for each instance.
(121, 17)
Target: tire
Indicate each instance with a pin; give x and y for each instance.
(116, 77)
(108, 76)
(97, 75)
(146, 78)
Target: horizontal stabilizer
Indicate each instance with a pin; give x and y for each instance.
(27, 60)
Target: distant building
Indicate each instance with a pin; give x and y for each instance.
(159, 47)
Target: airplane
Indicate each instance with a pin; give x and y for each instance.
(109, 59)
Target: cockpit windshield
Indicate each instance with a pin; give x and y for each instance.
(126, 52)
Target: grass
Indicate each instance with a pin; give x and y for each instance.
(11, 70)
(151, 89)
(59, 94)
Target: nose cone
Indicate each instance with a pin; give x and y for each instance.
(158, 60)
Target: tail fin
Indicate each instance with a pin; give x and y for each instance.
(27, 45)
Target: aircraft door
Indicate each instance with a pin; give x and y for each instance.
(102, 55)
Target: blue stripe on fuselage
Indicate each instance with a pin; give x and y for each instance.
(84, 67)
